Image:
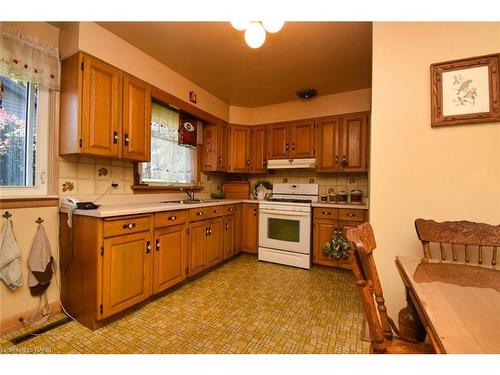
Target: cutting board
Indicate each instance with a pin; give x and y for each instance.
(236, 189)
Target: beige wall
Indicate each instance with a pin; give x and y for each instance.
(12, 303)
(326, 105)
(448, 173)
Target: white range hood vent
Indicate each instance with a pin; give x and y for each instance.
(291, 163)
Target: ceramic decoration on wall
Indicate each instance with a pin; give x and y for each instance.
(465, 91)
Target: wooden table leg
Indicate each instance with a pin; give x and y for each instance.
(410, 325)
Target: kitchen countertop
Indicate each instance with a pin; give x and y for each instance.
(363, 206)
(108, 210)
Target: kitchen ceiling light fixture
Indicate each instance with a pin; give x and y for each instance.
(255, 31)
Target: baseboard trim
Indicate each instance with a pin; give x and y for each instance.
(13, 322)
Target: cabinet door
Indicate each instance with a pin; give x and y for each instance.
(101, 117)
(302, 139)
(126, 271)
(239, 160)
(215, 251)
(278, 141)
(324, 230)
(258, 150)
(169, 257)
(210, 150)
(223, 147)
(229, 232)
(237, 228)
(327, 144)
(136, 119)
(198, 233)
(249, 227)
(354, 150)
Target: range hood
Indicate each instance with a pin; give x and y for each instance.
(292, 163)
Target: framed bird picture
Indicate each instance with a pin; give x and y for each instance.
(465, 91)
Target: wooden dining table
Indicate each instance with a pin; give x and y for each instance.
(458, 304)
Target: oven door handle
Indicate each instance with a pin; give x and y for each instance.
(287, 213)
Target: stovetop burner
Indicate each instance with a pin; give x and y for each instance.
(290, 200)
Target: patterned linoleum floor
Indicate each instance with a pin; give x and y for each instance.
(244, 306)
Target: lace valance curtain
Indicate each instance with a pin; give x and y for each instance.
(27, 58)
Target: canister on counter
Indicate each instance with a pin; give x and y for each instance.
(356, 196)
(332, 196)
(342, 197)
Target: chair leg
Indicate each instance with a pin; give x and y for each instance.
(410, 325)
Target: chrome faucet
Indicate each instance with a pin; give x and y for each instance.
(190, 193)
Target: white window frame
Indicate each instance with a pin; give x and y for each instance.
(40, 188)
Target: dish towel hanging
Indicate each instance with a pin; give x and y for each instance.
(41, 263)
(10, 264)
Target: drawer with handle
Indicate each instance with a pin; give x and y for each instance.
(164, 219)
(125, 224)
(202, 213)
(351, 214)
(326, 213)
(229, 209)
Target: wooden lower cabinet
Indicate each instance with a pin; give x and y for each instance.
(214, 251)
(170, 252)
(126, 272)
(229, 236)
(326, 225)
(249, 227)
(198, 233)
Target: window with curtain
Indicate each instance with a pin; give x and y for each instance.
(170, 163)
(29, 79)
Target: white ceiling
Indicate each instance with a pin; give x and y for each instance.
(329, 56)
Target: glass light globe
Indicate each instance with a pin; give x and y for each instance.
(255, 35)
(240, 24)
(273, 26)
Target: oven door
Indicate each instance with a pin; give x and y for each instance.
(285, 230)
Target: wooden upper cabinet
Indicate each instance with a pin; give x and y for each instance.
(101, 118)
(222, 150)
(353, 156)
(258, 150)
(238, 149)
(136, 119)
(210, 152)
(302, 139)
(327, 144)
(104, 112)
(278, 141)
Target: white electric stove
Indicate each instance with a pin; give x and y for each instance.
(285, 225)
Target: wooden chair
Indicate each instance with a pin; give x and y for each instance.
(455, 235)
(362, 242)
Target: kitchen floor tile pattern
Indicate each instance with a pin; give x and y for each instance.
(244, 306)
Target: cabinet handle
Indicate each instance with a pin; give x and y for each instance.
(227, 226)
(199, 213)
(293, 146)
(220, 159)
(344, 162)
(209, 231)
(173, 218)
(115, 137)
(264, 162)
(231, 209)
(206, 231)
(129, 226)
(148, 247)
(326, 213)
(336, 159)
(126, 139)
(286, 147)
(254, 212)
(216, 211)
(248, 162)
(350, 214)
(157, 245)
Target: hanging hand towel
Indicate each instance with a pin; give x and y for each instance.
(41, 263)
(10, 264)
